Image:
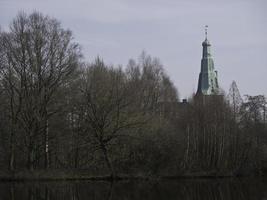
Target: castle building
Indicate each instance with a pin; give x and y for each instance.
(208, 87)
(208, 77)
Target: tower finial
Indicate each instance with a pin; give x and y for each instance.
(206, 31)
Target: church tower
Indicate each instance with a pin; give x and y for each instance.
(208, 77)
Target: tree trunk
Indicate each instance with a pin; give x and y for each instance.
(12, 133)
(110, 192)
(12, 149)
(76, 158)
(12, 192)
(187, 149)
(108, 161)
(31, 156)
(47, 193)
(47, 164)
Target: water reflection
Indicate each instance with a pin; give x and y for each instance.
(223, 189)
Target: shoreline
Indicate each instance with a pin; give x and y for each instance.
(71, 176)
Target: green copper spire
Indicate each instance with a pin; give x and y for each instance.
(208, 77)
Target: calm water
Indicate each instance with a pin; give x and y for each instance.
(255, 189)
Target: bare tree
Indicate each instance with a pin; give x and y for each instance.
(234, 99)
(40, 57)
(253, 122)
(107, 99)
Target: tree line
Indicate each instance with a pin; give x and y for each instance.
(61, 112)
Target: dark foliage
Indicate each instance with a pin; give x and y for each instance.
(57, 112)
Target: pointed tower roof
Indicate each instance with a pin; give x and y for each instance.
(206, 42)
(208, 77)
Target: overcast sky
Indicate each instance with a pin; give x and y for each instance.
(172, 30)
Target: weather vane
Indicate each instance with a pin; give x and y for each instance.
(206, 31)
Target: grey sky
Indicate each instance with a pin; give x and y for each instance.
(172, 30)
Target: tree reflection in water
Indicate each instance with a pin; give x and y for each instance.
(212, 189)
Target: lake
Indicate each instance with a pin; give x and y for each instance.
(206, 189)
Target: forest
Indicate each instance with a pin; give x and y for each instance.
(64, 117)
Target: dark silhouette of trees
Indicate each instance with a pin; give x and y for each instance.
(38, 58)
(108, 101)
(59, 112)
